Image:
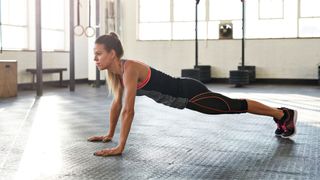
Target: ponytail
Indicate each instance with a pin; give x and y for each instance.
(111, 42)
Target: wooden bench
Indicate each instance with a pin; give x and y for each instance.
(47, 71)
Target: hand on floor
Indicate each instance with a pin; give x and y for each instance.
(100, 138)
(109, 152)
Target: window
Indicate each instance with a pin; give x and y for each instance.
(174, 19)
(183, 26)
(224, 10)
(170, 19)
(309, 21)
(274, 19)
(53, 24)
(18, 24)
(154, 20)
(14, 24)
(271, 9)
(309, 8)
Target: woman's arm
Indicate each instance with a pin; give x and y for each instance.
(130, 84)
(130, 79)
(114, 115)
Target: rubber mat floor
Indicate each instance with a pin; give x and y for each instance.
(46, 138)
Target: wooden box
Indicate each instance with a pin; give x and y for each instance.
(8, 78)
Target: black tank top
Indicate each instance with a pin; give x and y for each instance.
(164, 89)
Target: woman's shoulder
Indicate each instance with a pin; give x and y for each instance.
(131, 62)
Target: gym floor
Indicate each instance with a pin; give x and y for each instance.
(45, 138)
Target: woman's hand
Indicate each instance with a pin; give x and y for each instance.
(100, 138)
(109, 152)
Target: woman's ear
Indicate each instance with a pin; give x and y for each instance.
(113, 53)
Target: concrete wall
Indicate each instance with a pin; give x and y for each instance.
(273, 58)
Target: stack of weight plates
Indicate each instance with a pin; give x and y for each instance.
(252, 72)
(191, 73)
(205, 73)
(239, 77)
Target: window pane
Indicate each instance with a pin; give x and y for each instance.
(186, 30)
(155, 31)
(225, 9)
(52, 14)
(213, 29)
(269, 9)
(184, 10)
(154, 10)
(14, 37)
(271, 28)
(13, 14)
(310, 8)
(52, 40)
(309, 27)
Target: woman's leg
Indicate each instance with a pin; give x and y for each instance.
(203, 100)
(255, 107)
(215, 103)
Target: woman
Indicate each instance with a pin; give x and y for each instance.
(128, 78)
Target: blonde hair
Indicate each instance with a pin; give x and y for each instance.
(111, 42)
(113, 83)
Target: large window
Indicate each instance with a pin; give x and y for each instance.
(174, 19)
(14, 21)
(18, 24)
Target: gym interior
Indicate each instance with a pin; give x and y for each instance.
(53, 97)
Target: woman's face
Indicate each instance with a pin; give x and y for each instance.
(102, 57)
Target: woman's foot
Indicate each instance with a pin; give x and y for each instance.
(286, 126)
(279, 131)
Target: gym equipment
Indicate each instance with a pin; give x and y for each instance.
(200, 72)
(191, 73)
(225, 30)
(242, 76)
(239, 77)
(251, 70)
(72, 80)
(204, 73)
(319, 74)
(78, 29)
(97, 82)
(39, 57)
(89, 30)
(8, 78)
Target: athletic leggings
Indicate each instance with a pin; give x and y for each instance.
(203, 100)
